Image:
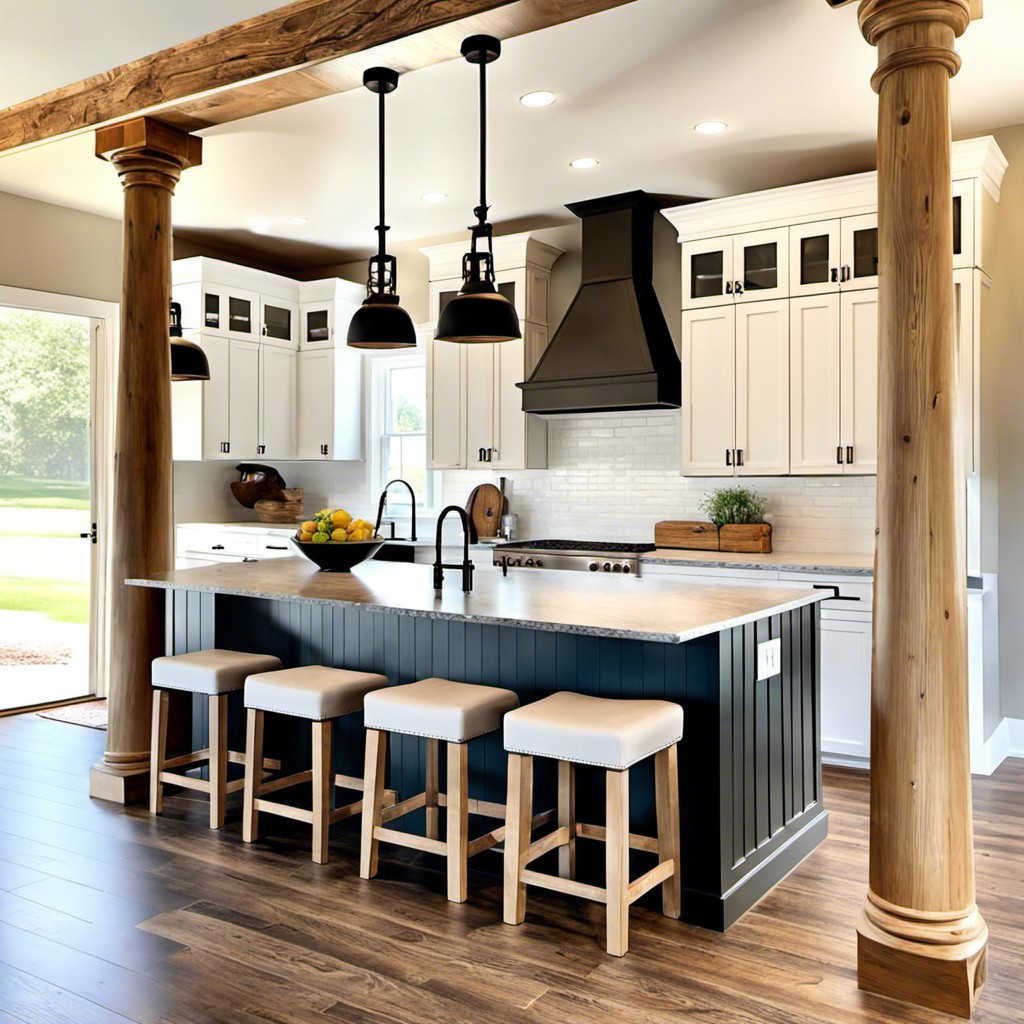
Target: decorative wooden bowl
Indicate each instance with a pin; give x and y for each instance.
(337, 556)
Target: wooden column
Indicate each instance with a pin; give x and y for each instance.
(920, 936)
(149, 157)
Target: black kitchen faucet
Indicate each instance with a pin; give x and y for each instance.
(467, 565)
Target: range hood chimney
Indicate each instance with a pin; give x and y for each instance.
(613, 349)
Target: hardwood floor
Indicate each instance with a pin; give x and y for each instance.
(110, 916)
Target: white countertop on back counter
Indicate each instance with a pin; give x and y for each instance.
(659, 609)
(780, 561)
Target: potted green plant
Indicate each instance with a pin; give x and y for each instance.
(738, 512)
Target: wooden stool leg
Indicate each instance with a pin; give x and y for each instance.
(253, 773)
(218, 758)
(458, 821)
(518, 818)
(617, 865)
(323, 787)
(666, 787)
(431, 789)
(567, 817)
(373, 799)
(158, 751)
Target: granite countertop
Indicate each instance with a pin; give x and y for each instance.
(779, 561)
(659, 609)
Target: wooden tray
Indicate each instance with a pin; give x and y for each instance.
(287, 510)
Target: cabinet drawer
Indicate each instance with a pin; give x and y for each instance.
(275, 547)
(854, 592)
(216, 543)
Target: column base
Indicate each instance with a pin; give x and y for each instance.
(128, 785)
(936, 975)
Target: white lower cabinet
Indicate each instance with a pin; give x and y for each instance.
(845, 686)
(197, 543)
(736, 390)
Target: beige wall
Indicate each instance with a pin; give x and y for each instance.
(1006, 355)
(53, 249)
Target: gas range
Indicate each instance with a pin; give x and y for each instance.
(581, 555)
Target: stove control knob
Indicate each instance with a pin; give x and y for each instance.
(607, 567)
(626, 567)
(518, 561)
(617, 567)
(593, 567)
(538, 563)
(529, 561)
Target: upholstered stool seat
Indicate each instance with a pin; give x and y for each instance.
(215, 673)
(441, 711)
(613, 734)
(319, 694)
(212, 671)
(574, 728)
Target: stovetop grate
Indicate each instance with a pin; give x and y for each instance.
(577, 545)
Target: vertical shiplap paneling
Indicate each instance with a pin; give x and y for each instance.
(810, 713)
(798, 714)
(739, 771)
(786, 695)
(762, 754)
(776, 741)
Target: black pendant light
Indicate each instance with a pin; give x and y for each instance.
(380, 322)
(479, 312)
(188, 360)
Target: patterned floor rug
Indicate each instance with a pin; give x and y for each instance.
(92, 714)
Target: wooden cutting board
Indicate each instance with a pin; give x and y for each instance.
(485, 509)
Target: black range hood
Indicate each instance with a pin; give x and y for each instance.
(613, 349)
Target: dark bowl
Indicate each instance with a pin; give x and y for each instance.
(337, 556)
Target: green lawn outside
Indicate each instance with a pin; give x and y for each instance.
(61, 600)
(30, 492)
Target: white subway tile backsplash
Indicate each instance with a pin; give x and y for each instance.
(614, 477)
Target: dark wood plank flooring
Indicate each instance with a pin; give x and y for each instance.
(108, 915)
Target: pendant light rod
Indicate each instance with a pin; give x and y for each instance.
(481, 210)
(382, 228)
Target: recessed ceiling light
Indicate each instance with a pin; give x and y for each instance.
(298, 221)
(582, 163)
(260, 223)
(434, 197)
(543, 98)
(710, 127)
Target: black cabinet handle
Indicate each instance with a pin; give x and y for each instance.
(728, 456)
(847, 274)
(739, 456)
(839, 454)
(261, 449)
(738, 288)
(217, 547)
(836, 596)
(227, 447)
(849, 454)
(327, 449)
(835, 275)
(728, 287)
(277, 547)
(479, 455)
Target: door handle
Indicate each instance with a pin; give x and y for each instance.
(839, 454)
(739, 456)
(847, 274)
(728, 456)
(835, 275)
(738, 288)
(91, 535)
(728, 287)
(849, 454)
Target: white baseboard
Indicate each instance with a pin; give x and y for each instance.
(1014, 736)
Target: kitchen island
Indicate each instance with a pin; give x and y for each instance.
(743, 663)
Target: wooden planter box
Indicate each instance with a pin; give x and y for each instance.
(752, 537)
(745, 537)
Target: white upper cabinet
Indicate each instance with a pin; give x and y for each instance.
(264, 399)
(780, 321)
(475, 412)
(748, 267)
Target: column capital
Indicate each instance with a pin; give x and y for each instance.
(147, 151)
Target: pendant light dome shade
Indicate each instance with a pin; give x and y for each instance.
(381, 323)
(479, 313)
(188, 360)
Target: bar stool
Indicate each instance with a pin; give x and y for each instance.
(215, 673)
(612, 734)
(439, 710)
(319, 694)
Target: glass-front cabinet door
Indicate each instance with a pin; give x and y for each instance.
(858, 249)
(760, 265)
(708, 278)
(239, 314)
(278, 319)
(814, 265)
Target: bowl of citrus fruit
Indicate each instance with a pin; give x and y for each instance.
(334, 541)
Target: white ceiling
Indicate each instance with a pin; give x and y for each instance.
(791, 78)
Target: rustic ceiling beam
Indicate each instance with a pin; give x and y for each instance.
(309, 49)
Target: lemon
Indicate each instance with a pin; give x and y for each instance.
(339, 535)
(309, 527)
(339, 517)
(305, 535)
